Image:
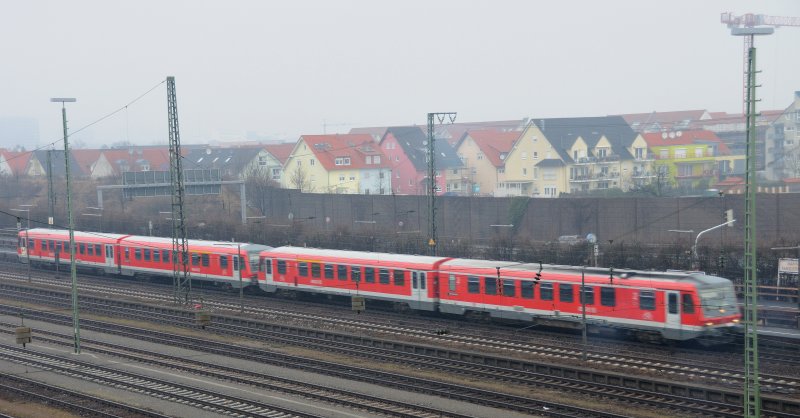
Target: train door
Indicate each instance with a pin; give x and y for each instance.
(673, 314)
(266, 267)
(110, 255)
(419, 286)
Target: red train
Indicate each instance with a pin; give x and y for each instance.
(649, 305)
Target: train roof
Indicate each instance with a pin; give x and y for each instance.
(530, 270)
(248, 247)
(64, 233)
(421, 260)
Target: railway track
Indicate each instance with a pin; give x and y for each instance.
(553, 351)
(508, 374)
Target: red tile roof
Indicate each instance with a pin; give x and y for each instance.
(664, 139)
(280, 151)
(157, 159)
(493, 144)
(17, 161)
(86, 159)
(355, 146)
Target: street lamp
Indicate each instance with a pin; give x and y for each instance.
(694, 247)
(75, 318)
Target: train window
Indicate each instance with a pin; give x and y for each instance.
(43, 245)
(281, 266)
(526, 290)
(268, 266)
(688, 303)
(146, 254)
(588, 291)
(341, 272)
(546, 291)
(205, 259)
(97, 249)
(413, 279)
(315, 270)
(473, 284)
(383, 276)
(608, 296)
(452, 283)
(509, 288)
(672, 303)
(52, 246)
(127, 253)
(82, 248)
(302, 268)
(89, 249)
(422, 280)
(195, 259)
(399, 278)
(565, 293)
(156, 256)
(137, 253)
(328, 271)
(235, 263)
(490, 285)
(165, 255)
(647, 300)
(369, 274)
(356, 272)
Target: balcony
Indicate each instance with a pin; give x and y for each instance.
(643, 174)
(613, 158)
(587, 178)
(644, 158)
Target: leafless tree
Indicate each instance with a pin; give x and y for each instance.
(300, 179)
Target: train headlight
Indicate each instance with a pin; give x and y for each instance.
(708, 324)
(722, 310)
(735, 321)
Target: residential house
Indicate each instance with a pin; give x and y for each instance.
(273, 162)
(483, 154)
(114, 162)
(665, 121)
(575, 155)
(13, 163)
(406, 147)
(233, 163)
(693, 159)
(37, 164)
(782, 143)
(347, 164)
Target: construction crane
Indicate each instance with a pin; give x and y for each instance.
(750, 20)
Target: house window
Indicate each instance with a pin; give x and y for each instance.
(262, 160)
(535, 173)
(352, 178)
(638, 153)
(342, 161)
(341, 177)
(276, 173)
(311, 161)
(535, 155)
(549, 174)
(602, 152)
(698, 152)
(480, 156)
(501, 170)
(663, 154)
(550, 191)
(376, 159)
(524, 171)
(524, 155)
(680, 153)
(410, 182)
(368, 160)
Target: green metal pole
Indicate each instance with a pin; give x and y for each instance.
(75, 317)
(752, 398)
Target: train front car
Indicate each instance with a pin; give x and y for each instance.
(718, 318)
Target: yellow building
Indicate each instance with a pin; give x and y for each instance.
(484, 154)
(691, 159)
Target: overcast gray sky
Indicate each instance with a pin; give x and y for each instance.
(282, 69)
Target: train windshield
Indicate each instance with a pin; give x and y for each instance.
(719, 301)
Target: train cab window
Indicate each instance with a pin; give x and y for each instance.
(146, 253)
(452, 283)
(383, 276)
(205, 260)
(328, 271)
(647, 300)
(281, 266)
(369, 274)
(315, 270)
(526, 290)
(127, 253)
(588, 293)
(97, 249)
(546, 291)
(341, 272)
(399, 278)
(356, 273)
(156, 256)
(509, 288)
(608, 296)
(302, 269)
(195, 259)
(565, 293)
(490, 285)
(688, 303)
(473, 284)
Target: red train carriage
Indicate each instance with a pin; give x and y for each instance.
(93, 249)
(211, 261)
(406, 280)
(675, 306)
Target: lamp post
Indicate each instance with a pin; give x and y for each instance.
(27, 241)
(694, 247)
(75, 317)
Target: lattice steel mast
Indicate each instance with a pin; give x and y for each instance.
(432, 177)
(180, 251)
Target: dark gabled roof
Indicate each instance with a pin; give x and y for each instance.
(58, 163)
(233, 159)
(550, 162)
(562, 133)
(414, 143)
